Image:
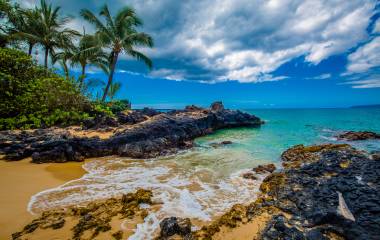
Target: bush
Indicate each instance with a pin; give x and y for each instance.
(119, 105)
(111, 108)
(33, 97)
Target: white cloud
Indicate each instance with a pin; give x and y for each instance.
(169, 74)
(369, 83)
(365, 57)
(321, 77)
(244, 39)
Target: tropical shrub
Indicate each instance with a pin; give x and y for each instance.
(112, 107)
(119, 105)
(32, 96)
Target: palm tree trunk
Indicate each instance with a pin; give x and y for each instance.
(110, 77)
(66, 69)
(82, 76)
(46, 57)
(31, 45)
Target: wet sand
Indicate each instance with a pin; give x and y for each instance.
(20, 180)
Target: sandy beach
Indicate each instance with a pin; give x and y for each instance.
(20, 180)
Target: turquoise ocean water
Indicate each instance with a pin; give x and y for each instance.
(287, 127)
(203, 182)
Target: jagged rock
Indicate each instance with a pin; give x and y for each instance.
(164, 133)
(376, 155)
(279, 228)
(192, 108)
(173, 225)
(324, 192)
(215, 145)
(136, 116)
(268, 168)
(150, 112)
(360, 135)
(249, 175)
(217, 106)
(100, 121)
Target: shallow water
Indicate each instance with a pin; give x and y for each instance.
(205, 181)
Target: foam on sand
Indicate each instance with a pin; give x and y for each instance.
(199, 184)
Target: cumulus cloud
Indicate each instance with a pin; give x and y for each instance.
(365, 57)
(243, 40)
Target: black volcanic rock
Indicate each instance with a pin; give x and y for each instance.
(323, 192)
(173, 225)
(330, 178)
(360, 135)
(217, 106)
(155, 135)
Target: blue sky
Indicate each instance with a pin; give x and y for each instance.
(250, 53)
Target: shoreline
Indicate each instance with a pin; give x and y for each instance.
(289, 204)
(20, 180)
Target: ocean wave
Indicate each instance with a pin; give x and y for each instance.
(183, 190)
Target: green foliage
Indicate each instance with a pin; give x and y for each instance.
(119, 106)
(101, 107)
(111, 108)
(34, 97)
(114, 88)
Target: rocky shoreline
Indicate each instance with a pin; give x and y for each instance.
(140, 134)
(329, 191)
(324, 192)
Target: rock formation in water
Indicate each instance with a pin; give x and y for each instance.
(323, 192)
(144, 134)
(356, 136)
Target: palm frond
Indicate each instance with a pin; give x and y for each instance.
(106, 13)
(91, 18)
(140, 57)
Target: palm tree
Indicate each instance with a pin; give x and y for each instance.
(51, 36)
(62, 58)
(114, 88)
(25, 26)
(88, 52)
(5, 9)
(120, 35)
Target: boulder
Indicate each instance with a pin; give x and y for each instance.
(219, 144)
(173, 225)
(217, 106)
(268, 168)
(249, 175)
(360, 135)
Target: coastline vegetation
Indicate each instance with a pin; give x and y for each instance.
(35, 96)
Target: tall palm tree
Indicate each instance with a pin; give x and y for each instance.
(88, 52)
(51, 36)
(119, 34)
(114, 88)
